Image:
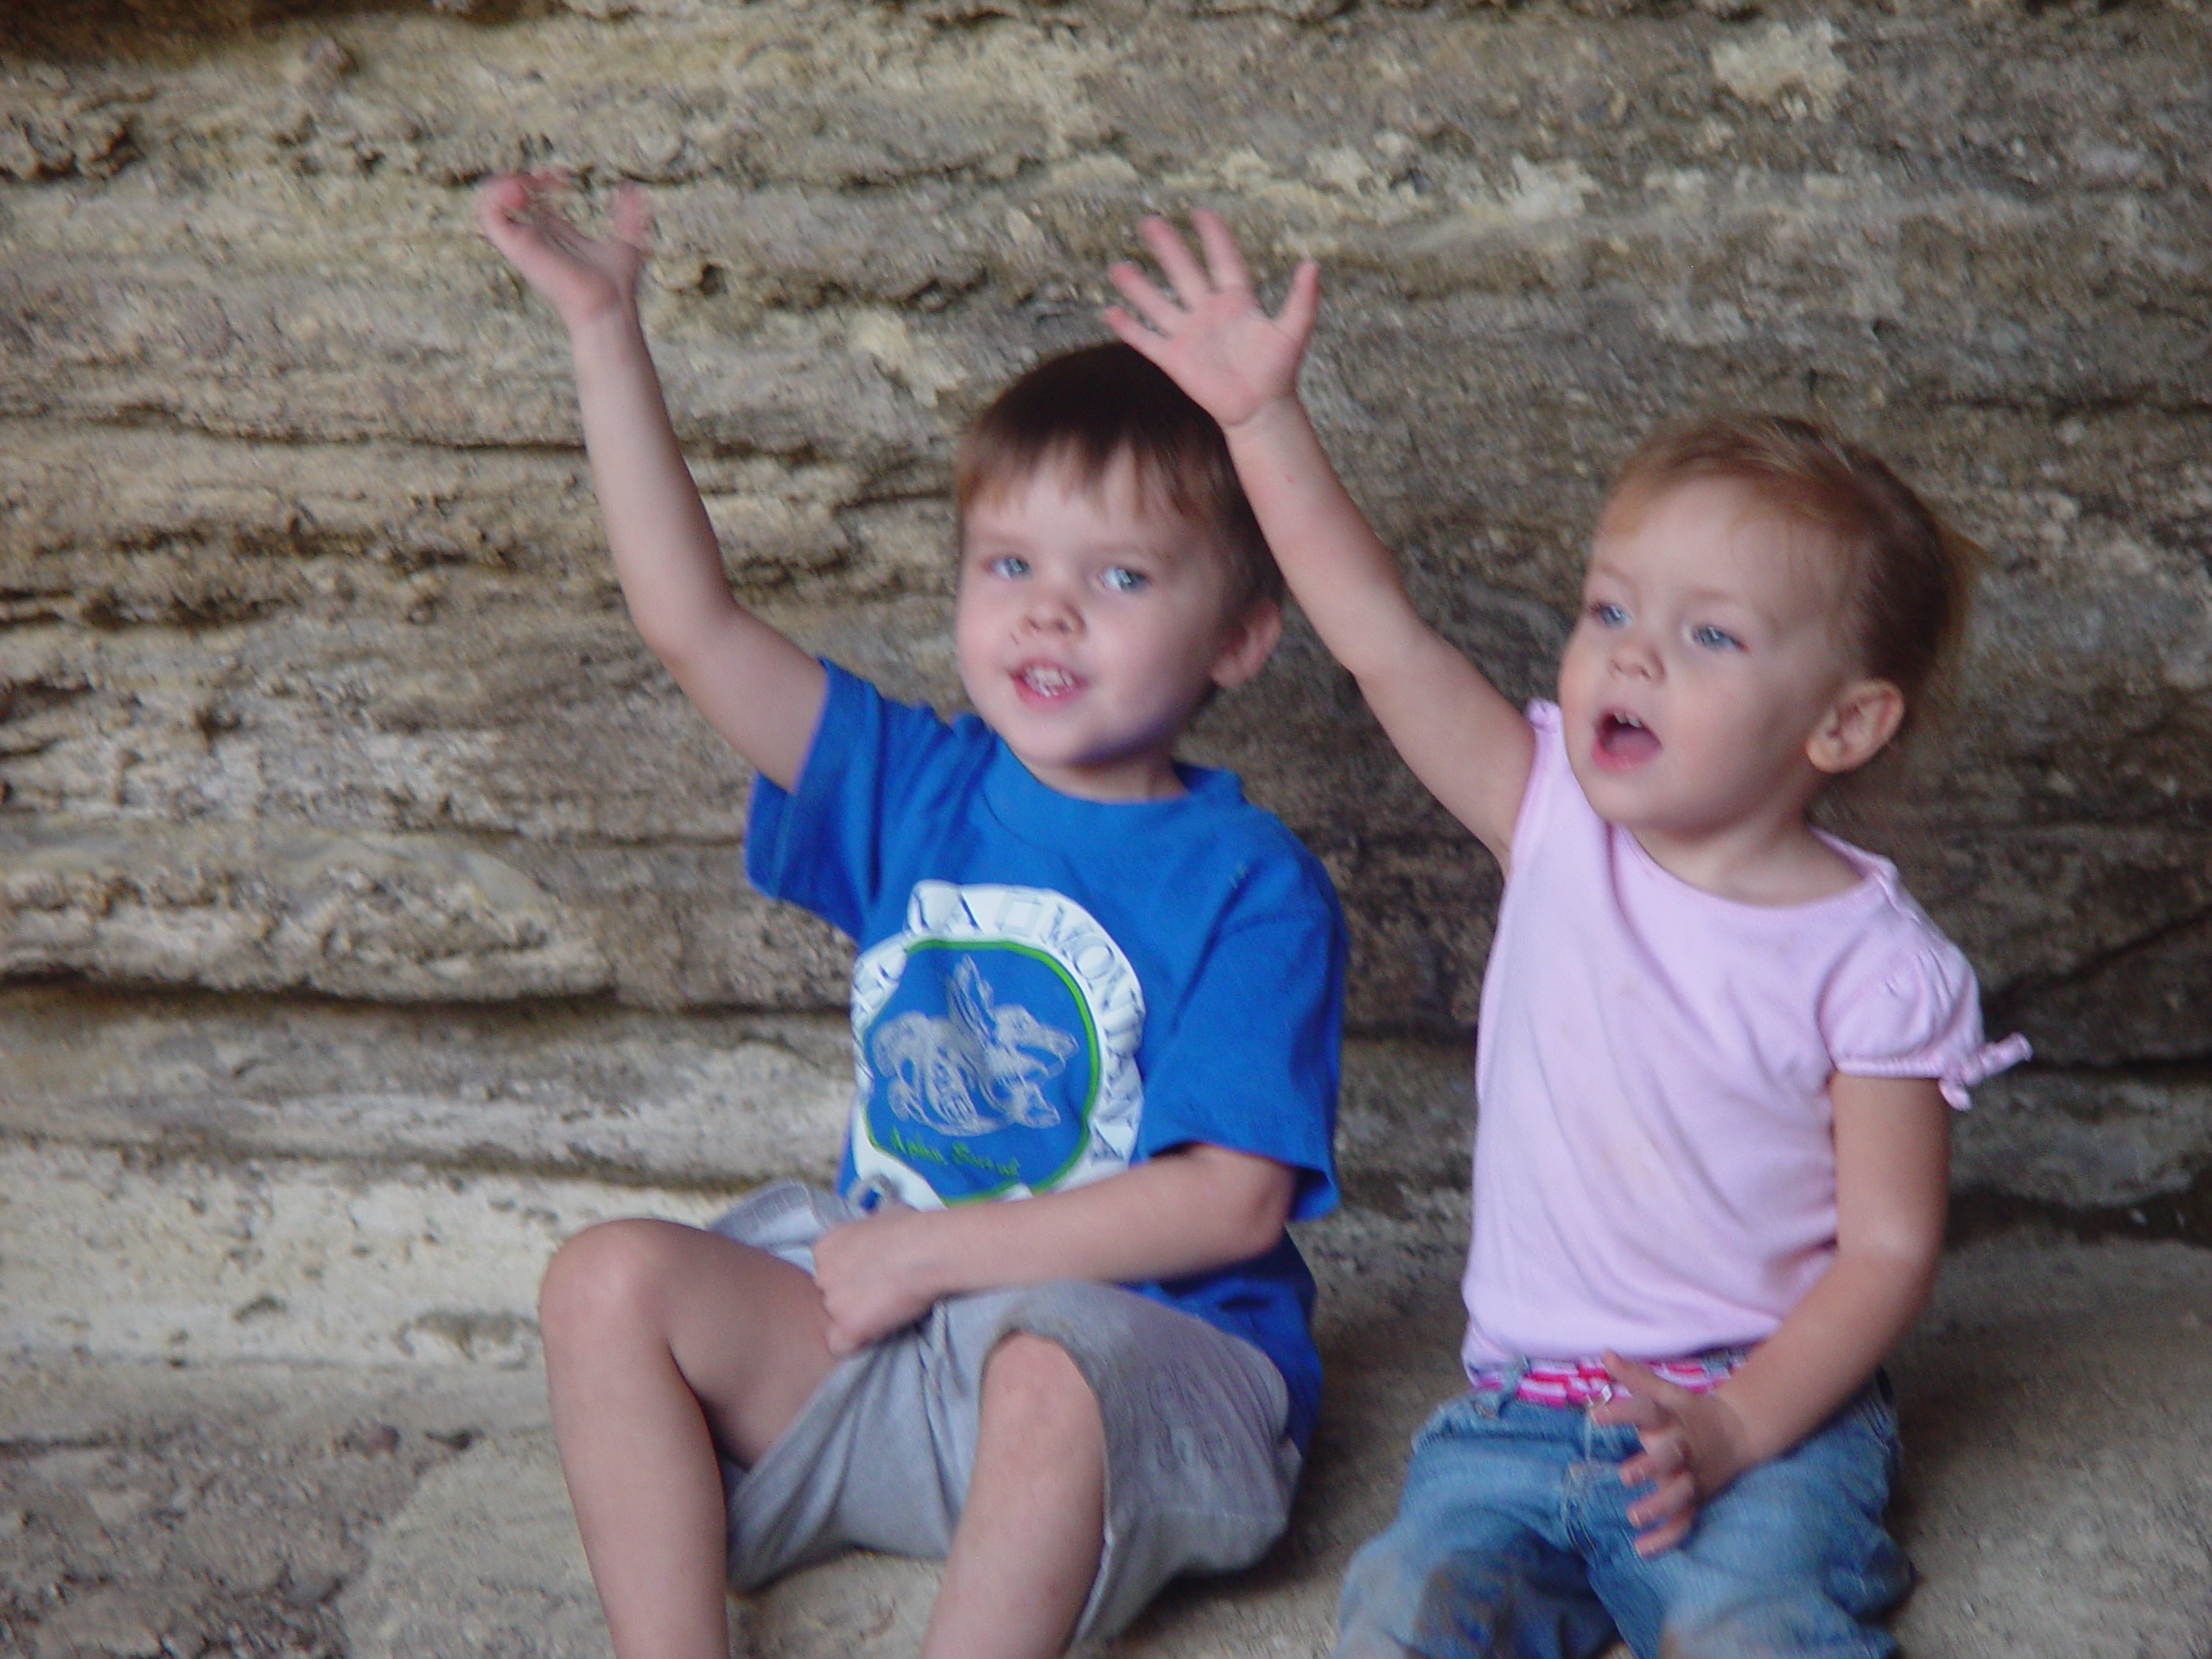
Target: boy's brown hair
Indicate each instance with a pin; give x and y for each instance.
(1084, 410)
(1909, 576)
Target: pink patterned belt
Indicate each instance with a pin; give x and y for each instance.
(1577, 1382)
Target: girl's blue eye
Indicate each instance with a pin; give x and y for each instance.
(1120, 579)
(1606, 614)
(1008, 565)
(1712, 638)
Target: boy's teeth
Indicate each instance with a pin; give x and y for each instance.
(1048, 680)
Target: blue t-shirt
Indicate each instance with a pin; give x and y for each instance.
(1050, 989)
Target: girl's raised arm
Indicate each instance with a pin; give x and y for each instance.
(1471, 746)
(754, 686)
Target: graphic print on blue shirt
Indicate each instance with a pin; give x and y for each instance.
(995, 1049)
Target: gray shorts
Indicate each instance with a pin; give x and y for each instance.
(1198, 1470)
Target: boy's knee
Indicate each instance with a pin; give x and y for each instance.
(1031, 1381)
(600, 1274)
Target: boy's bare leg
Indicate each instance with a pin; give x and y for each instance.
(1027, 1548)
(663, 1342)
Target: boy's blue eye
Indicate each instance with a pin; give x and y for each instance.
(1120, 579)
(1606, 614)
(1008, 565)
(1709, 638)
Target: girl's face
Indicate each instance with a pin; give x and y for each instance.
(1709, 654)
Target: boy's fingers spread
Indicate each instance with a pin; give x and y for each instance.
(1222, 259)
(1176, 259)
(1145, 342)
(1126, 327)
(1137, 288)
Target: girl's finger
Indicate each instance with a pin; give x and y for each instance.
(1639, 1409)
(1223, 260)
(1660, 1459)
(1641, 1380)
(1661, 1538)
(1190, 283)
(1155, 307)
(1665, 1502)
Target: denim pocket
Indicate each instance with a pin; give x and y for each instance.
(1454, 1419)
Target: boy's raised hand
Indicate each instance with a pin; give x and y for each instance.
(1212, 337)
(581, 277)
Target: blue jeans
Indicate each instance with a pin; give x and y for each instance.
(1512, 1539)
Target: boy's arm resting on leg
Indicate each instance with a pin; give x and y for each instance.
(1893, 1167)
(754, 686)
(1185, 1211)
(1471, 746)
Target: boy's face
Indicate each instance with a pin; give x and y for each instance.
(1707, 658)
(1091, 627)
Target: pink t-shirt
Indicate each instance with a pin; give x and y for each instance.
(1655, 1170)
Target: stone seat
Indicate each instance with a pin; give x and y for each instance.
(2058, 1401)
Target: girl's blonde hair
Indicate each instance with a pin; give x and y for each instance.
(1908, 577)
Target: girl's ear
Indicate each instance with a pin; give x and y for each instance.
(1248, 643)
(1864, 715)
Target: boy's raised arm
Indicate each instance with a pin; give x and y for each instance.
(1471, 746)
(754, 686)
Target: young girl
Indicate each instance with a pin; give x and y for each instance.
(1717, 1046)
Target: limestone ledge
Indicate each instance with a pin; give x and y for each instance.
(582, 1090)
(427, 919)
(314, 683)
(173, 1258)
(340, 914)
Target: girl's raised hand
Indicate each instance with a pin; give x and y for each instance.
(1211, 336)
(581, 277)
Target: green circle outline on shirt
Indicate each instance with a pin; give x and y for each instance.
(935, 941)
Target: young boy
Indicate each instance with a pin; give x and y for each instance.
(1090, 978)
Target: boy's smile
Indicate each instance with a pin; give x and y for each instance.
(1091, 627)
(1708, 654)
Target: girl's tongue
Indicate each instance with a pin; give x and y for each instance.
(1624, 741)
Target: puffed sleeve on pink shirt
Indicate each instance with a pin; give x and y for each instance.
(1912, 1009)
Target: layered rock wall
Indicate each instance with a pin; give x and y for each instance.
(346, 829)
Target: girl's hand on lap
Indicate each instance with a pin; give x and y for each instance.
(581, 277)
(1691, 1450)
(1212, 337)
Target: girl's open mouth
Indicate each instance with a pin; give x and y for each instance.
(1624, 741)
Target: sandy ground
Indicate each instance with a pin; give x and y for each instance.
(2057, 1400)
